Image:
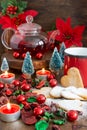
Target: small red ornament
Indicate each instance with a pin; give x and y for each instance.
(16, 54)
(72, 115)
(1, 85)
(8, 92)
(25, 87)
(38, 111)
(39, 55)
(23, 55)
(53, 82)
(50, 76)
(20, 98)
(16, 82)
(41, 98)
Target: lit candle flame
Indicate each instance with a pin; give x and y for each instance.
(8, 106)
(6, 73)
(43, 70)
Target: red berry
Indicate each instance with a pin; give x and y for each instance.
(53, 82)
(8, 92)
(72, 115)
(50, 76)
(39, 55)
(25, 87)
(2, 85)
(15, 8)
(20, 98)
(38, 111)
(41, 98)
(26, 105)
(16, 82)
(16, 55)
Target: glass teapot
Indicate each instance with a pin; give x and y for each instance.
(27, 37)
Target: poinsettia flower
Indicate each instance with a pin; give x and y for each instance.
(14, 22)
(70, 36)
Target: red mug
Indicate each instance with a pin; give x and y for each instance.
(76, 57)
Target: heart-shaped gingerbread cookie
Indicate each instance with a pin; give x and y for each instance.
(73, 78)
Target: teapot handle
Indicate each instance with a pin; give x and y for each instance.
(53, 35)
(3, 38)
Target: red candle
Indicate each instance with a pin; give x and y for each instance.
(9, 112)
(7, 77)
(43, 73)
(9, 108)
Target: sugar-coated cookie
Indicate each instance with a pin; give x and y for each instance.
(56, 92)
(70, 95)
(65, 104)
(44, 90)
(82, 92)
(73, 78)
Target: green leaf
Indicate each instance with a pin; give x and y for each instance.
(12, 2)
(59, 122)
(22, 4)
(17, 92)
(49, 115)
(4, 4)
(31, 99)
(41, 125)
(45, 118)
(61, 113)
(21, 106)
(3, 12)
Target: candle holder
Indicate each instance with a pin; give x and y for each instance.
(42, 74)
(10, 115)
(7, 78)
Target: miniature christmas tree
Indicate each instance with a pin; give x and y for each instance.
(4, 65)
(55, 61)
(27, 67)
(61, 51)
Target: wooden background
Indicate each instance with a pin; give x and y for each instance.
(49, 10)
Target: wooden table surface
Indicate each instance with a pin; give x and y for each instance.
(19, 125)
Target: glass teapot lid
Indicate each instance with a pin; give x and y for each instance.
(29, 26)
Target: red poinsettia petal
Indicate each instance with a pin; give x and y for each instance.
(6, 22)
(60, 24)
(31, 12)
(78, 31)
(68, 21)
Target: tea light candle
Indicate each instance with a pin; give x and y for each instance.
(42, 74)
(9, 112)
(7, 77)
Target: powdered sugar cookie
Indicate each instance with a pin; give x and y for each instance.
(45, 91)
(70, 95)
(56, 92)
(65, 104)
